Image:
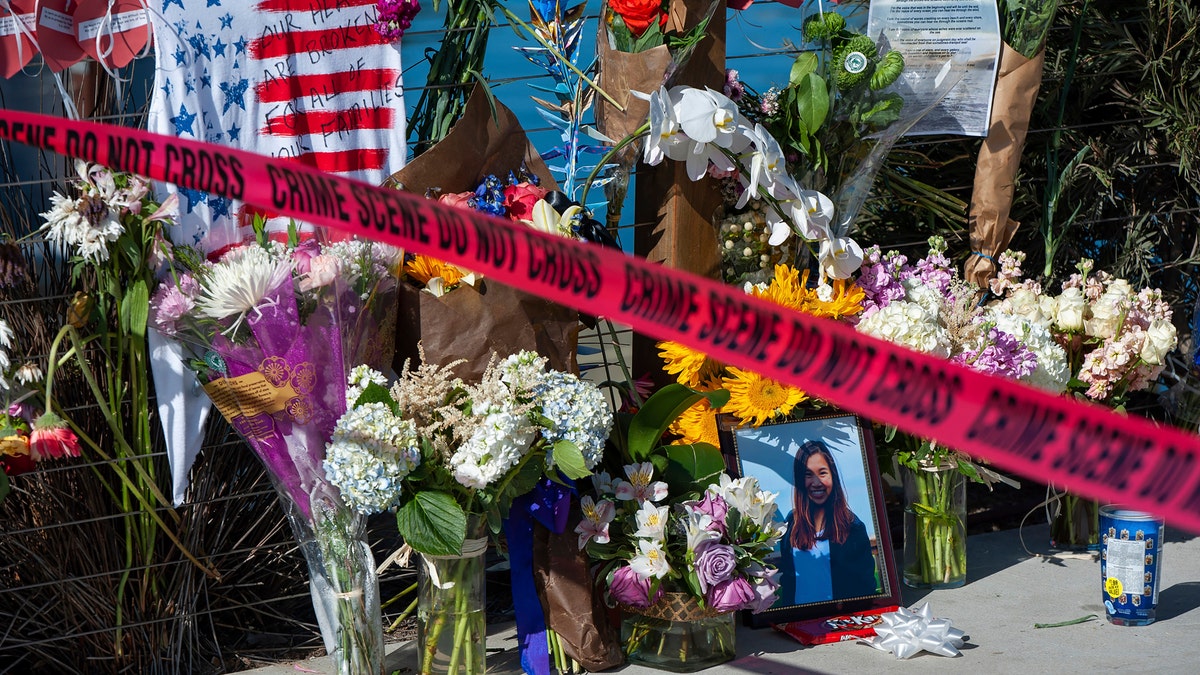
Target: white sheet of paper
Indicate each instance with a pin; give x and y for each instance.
(930, 34)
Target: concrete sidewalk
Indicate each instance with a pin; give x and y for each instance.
(1007, 592)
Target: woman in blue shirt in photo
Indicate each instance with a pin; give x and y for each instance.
(827, 552)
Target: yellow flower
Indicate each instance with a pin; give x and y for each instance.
(755, 399)
(698, 424)
(790, 288)
(689, 366)
(423, 268)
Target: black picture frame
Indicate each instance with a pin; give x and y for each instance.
(768, 453)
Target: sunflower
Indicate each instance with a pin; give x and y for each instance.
(755, 399)
(689, 366)
(423, 268)
(698, 424)
(789, 287)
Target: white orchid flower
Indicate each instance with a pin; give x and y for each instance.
(839, 257)
(767, 165)
(710, 124)
(665, 132)
(806, 212)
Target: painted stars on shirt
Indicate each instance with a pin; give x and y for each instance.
(183, 121)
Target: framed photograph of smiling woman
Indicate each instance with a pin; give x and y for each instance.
(836, 554)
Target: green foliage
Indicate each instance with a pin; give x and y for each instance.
(689, 466)
(647, 427)
(432, 522)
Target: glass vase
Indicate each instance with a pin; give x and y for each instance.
(935, 527)
(451, 624)
(1074, 523)
(344, 586)
(677, 635)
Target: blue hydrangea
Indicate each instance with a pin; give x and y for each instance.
(578, 411)
(370, 454)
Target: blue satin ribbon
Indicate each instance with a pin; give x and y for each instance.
(549, 504)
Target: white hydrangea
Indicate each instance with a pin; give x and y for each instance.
(358, 379)
(1053, 372)
(909, 324)
(523, 372)
(578, 411)
(370, 454)
(928, 297)
(496, 446)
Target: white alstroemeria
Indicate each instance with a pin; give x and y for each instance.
(641, 485)
(603, 483)
(762, 508)
(666, 137)
(651, 522)
(547, 219)
(596, 518)
(651, 560)
(766, 162)
(697, 527)
(839, 258)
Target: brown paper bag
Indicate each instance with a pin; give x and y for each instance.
(574, 605)
(995, 172)
(472, 323)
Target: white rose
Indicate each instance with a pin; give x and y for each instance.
(1118, 288)
(1160, 340)
(1048, 307)
(1070, 309)
(1025, 303)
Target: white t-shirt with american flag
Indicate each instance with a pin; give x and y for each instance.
(307, 81)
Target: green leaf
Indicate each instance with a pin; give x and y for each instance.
(885, 111)
(652, 38)
(135, 309)
(692, 467)
(376, 393)
(3, 485)
(651, 421)
(433, 523)
(804, 64)
(569, 460)
(812, 101)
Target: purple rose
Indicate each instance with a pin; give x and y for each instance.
(714, 564)
(629, 588)
(731, 595)
(716, 507)
(765, 592)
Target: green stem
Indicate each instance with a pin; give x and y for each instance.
(608, 156)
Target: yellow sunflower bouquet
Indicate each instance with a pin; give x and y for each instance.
(753, 398)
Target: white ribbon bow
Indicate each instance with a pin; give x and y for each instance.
(906, 634)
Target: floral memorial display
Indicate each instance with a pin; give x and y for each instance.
(401, 400)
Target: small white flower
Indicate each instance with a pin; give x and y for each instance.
(28, 374)
(651, 560)
(651, 521)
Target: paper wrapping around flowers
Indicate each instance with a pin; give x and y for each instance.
(620, 74)
(992, 230)
(470, 323)
(574, 607)
(477, 145)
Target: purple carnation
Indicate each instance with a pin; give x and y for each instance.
(394, 17)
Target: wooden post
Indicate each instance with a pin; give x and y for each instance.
(673, 213)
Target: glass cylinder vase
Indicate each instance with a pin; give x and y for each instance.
(451, 624)
(343, 582)
(677, 635)
(1074, 523)
(935, 527)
